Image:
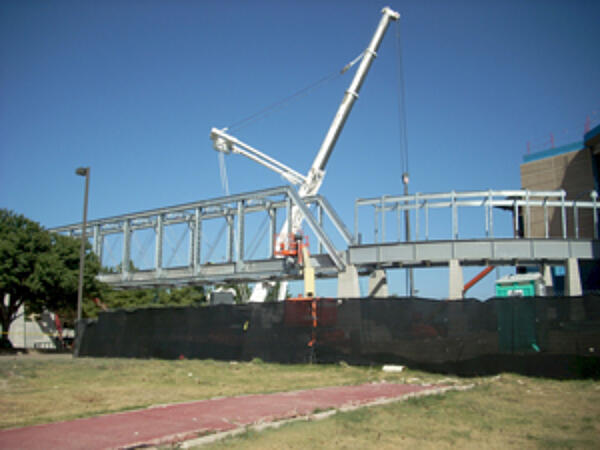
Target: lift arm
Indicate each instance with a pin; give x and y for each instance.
(315, 175)
(310, 184)
(226, 143)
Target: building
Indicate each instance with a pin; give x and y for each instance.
(574, 168)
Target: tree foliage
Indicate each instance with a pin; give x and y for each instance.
(140, 298)
(273, 295)
(40, 269)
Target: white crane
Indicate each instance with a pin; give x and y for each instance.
(309, 184)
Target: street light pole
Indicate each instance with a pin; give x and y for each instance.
(84, 172)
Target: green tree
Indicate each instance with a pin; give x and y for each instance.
(273, 294)
(141, 298)
(40, 270)
(186, 295)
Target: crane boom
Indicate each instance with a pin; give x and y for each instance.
(310, 184)
(352, 93)
(314, 179)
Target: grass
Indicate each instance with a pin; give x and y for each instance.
(503, 411)
(507, 411)
(50, 388)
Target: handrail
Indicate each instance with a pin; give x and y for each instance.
(521, 202)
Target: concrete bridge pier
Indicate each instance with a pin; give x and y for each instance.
(572, 278)
(348, 286)
(455, 281)
(546, 271)
(378, 285)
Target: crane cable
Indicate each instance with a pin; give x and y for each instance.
(301, 93)
(409, 282)
(258, 116)
(223, 173)
(401, 105)
(225, 186)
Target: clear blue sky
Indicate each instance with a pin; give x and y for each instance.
(132, 88)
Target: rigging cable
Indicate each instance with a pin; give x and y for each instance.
(410, 290)
(260, 233)
(301, 93)
(223, 173)
(225, 186)
(401, 105)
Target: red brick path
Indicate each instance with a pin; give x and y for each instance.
(171, 423)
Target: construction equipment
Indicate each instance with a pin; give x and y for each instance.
(309, 184)
(296, 248)
(480, 276)
(304, 308)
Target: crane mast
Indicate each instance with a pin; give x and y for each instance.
(310, 184)
(316, 173)
(351, 94)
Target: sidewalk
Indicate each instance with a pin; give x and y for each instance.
(185, 421)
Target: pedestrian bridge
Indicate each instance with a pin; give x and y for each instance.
(211, 244)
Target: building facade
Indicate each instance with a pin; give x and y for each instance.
(573, 168)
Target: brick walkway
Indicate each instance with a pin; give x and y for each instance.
(184, 421)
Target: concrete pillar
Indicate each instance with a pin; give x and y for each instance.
(348, 283)
(572, 278)
(378, 286)
(547, 279)
(456, 283)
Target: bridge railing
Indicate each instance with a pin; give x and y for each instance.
(534, 213)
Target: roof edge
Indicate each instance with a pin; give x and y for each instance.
(574, 146)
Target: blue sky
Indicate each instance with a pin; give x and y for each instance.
(132, 88)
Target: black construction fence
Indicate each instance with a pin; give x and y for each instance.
(546, 336)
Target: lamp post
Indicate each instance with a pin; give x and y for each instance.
(83, 172)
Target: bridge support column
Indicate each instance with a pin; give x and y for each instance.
(455, 282)
(378, 286)
(572, 278)
(547, 279)
(348, 283)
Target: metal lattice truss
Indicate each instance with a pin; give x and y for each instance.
(153, 227)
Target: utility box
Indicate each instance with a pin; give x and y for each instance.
(521, 285)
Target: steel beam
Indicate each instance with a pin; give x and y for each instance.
(197, 238)
(125, 260)
(240, 233)
(272, 230)
(473, 252)
(310, 219)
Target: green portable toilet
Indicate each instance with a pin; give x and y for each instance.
(521, 285)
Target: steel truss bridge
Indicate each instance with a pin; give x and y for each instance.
(355, 257)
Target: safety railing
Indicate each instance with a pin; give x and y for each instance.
(522, 204)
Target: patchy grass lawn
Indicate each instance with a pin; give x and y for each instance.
(49, 388)
(503, 411)
(507, 411)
